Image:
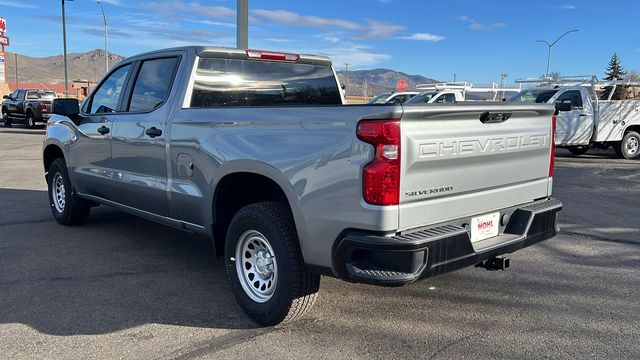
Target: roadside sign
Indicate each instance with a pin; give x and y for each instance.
(402, 85)
(3, 24)
(4, 40)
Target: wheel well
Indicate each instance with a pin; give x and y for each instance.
(51, 153)
(236, 191)
(635, 128)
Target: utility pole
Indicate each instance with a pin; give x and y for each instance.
(15, 56)
(64, 45)
(551, 46)
(454, 77)
(346, 74)
(242, 25)
(106, 34)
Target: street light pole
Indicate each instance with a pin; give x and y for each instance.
(64, 45)
(106, 34)
(242, 25)
(551, 46)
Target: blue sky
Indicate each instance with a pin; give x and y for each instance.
(477, 39)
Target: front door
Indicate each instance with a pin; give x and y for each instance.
(138, 142)
(574, 127)
(91, 152)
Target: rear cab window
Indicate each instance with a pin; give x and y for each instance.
(152, 85)
(239, 82)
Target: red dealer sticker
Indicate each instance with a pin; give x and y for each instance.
(402, 85)
(484, 227)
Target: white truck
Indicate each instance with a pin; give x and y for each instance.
(453, 92)
(584, 119)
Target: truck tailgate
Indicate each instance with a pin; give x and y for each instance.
(454, 165)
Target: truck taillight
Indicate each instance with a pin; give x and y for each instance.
(381, 176)
(44, 107)
(270, 55)
(553, 146)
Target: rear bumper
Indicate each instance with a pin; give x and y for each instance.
(401, 259)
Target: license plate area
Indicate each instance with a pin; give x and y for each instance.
(485, 226)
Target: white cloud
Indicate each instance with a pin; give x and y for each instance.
(564, 7)
(113, 2)
(357, 56)
(17, 4)
(479, 26)
(291, 18)
(377, 29)
(423, 37)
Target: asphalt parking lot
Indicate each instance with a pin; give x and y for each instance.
(123, 287)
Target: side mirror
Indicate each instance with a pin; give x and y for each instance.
(564, 106)
(66, 107)
(5, 96)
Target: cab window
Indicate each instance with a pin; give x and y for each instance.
(152, 84)
(572, 96)
(106, 97)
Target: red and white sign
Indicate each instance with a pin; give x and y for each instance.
(3, 24)
(402, 85)
(484, 227)
(4, 40)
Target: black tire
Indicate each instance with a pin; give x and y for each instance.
(75, 210)
(629, 147)
(30, 121)
(578, 150)
(296, 287)
(5, 118)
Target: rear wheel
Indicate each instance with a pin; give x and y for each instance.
(67, 208)
(579, 150)
(31, 122)
(265, 265)
(629, 147)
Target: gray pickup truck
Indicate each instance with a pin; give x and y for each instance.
(257, 151)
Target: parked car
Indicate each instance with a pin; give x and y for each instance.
(393, 98)
(29, 106)
(256, 150)
(585, 120)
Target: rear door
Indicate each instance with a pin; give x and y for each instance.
(574, 127)
(138, 153)
(466, 159)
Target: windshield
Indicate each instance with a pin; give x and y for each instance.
(380, 99)
(539, 96)
(421, 98)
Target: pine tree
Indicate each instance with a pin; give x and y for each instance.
(615, 71)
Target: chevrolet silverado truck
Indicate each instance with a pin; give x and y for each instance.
(30, 106)
(257, 151)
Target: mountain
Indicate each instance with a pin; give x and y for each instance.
(50, 70)
(378, 81)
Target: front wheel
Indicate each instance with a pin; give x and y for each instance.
(5, 118)
(265, 266)
(67, 208)
(629, 147)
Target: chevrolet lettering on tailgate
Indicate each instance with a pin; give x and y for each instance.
(450, 148)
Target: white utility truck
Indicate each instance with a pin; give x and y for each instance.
(584, 118)
(453, 92)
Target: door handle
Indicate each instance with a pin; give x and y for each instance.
(103, 130)
(583, 115)
(153, 132)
